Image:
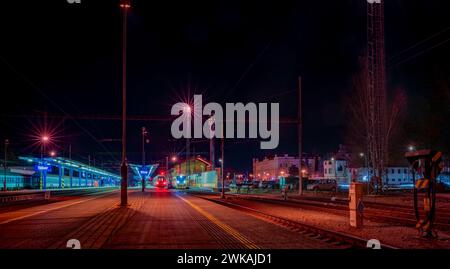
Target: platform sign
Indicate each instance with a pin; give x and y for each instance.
(143, 172)
(42, 167)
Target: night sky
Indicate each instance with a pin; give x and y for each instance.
(66, 59)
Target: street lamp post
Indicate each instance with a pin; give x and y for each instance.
(299, 137)
(44, 140)
(367, 170)
(167, 164)
(222, 195)
(124, 5)
(144, 134)
(4, 166)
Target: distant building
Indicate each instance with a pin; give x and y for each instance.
(193, 165)
(393, 175)
(271, 168)
(197, 172)
(337, 169)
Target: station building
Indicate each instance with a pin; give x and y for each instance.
(195, 172)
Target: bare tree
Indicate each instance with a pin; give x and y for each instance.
(360, 136)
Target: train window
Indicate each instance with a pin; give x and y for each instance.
(66, 172)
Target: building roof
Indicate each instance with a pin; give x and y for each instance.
(69, 163)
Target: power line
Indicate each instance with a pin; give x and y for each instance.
(420, 42)
(421, 52)
(67, 115)
(424, 50)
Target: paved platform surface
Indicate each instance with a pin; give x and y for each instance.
(153, 220)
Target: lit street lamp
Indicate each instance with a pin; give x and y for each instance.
(411, 148)
(44, 140)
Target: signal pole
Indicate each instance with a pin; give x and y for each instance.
(124, 5)
(300, 179)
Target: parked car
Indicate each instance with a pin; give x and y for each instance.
(322, 185)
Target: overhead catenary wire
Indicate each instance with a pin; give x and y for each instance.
(66, 114)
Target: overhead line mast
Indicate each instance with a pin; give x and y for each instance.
(377, 143)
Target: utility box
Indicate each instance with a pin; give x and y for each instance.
(355, 204)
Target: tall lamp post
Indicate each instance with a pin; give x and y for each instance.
(222, 160)
(188, 111)
(299, 137)
(4, 166)
(362, 155)
(124, 5)
(144, 135)
(44, 140)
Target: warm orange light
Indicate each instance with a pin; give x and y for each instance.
(125, 5)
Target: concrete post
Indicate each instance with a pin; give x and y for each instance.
(355, 204)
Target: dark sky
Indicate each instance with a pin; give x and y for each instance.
(66, 59)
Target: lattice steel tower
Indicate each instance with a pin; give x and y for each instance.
(376, 89)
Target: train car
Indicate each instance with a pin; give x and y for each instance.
(13, 181)
(160, 182)
(181, 182)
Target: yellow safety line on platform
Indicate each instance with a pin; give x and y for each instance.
(228, 229)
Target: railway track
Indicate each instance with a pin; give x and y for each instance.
(404, 213)
(379, 212)
(334, 238)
